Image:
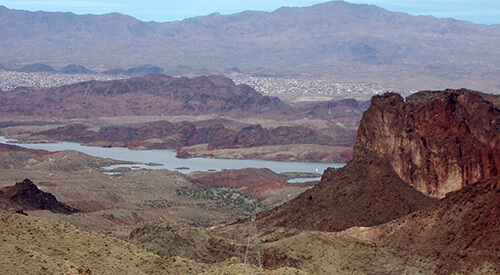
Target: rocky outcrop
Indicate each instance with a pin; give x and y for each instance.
(26, 195)
(250, 136)
(182, 154)
(437, 141)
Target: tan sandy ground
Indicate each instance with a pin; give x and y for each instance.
(34, 245)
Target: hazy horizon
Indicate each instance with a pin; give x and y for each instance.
(480, 11)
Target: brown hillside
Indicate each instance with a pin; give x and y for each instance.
(462, 230)
(148, 95)
(363, 193)
(168, 135)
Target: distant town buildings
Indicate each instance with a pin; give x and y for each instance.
(10, 80)
(312, 89)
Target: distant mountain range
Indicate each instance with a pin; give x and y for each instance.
(335, 39)
(79, 69)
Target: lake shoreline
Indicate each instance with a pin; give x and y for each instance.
(166, 159)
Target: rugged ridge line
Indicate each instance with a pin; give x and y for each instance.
(437, 141)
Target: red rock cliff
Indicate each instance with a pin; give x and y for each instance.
(437, 141)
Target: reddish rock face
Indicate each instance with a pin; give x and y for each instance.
(182, 154)
(437, 141)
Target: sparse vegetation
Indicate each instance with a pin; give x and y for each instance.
(225, 196)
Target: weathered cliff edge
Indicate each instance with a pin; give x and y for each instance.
(436, 141)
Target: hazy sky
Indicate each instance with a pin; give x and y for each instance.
(477, 11)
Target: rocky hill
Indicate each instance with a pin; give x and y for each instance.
(148, 95)
(436, 141)
(363, 193)
(247, 180)
(441, 140)
(365, 41)
(25, 195)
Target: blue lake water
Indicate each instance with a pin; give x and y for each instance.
(168, 160)
(301, 180)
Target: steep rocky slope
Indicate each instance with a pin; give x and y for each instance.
(436, 141)
(362, 193)
(461, 231)
(25, 195)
